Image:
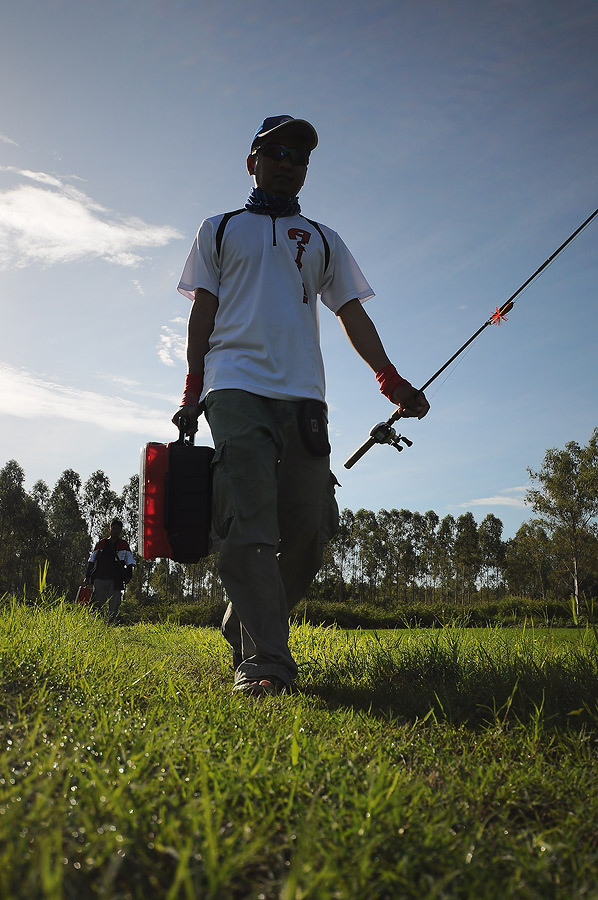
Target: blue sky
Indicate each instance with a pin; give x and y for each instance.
(458, 149)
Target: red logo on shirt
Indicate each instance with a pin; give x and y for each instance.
(302, 238)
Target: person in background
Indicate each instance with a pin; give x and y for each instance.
(256, 369)
(109, 569)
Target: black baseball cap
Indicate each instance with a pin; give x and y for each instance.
(281, 128)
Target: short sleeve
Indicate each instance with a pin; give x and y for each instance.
(201, 269)
(343, 280)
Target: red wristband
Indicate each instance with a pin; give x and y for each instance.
(193, 389)
(388, 378)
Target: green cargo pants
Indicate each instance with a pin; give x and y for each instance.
(273, 511)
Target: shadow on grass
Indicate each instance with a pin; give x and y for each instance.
(562, 692)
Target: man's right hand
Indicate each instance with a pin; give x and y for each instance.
(190, 414)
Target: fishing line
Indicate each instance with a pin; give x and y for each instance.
(451, 372)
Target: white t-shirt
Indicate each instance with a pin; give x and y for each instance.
(266, 278)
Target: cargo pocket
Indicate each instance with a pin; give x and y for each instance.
(222, 509)
(330, 515)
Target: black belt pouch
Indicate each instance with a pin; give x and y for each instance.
(313, 426)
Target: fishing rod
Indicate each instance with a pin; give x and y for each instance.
(383, 432)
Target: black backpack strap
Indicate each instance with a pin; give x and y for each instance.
(222, 226)
(225, 218)
(325, 242)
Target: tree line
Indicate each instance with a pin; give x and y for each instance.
(383, 559)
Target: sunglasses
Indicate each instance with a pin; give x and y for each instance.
(278, 152)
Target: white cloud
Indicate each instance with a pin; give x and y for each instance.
(50, 222)
(127, 384)
(135, 387)
(173, 342)
(502, 499)
(41, 177)
(29, 396)
(517, 502)
(7, 140)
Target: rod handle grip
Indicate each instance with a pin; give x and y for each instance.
(361, 451)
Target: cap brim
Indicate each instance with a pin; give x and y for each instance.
(298, 132)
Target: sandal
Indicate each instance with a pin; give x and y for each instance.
(258, 688)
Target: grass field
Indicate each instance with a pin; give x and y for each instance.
(409, 764)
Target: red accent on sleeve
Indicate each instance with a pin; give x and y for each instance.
(388, 378)
(193, 389)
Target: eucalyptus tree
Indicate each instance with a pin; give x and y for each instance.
(444, 549)
(561, 569)
(466, 554)
(99, 504)
(23, 532)
(128, 505)
(396, 526)
(70, 538)
(12, 495)
(167, 581)
(40, 494)
(428, 568)
(566, 500)
(413, 555)
(371, 549)
(492, 550)
(529, 561)
(343, 546)
(393, 530)
(346, 550)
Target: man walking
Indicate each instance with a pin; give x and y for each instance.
(110, 568)
(255, 367)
